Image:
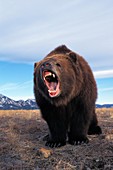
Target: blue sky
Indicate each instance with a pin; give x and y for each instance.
(31, 29)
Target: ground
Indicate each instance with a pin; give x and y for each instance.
(22, 146)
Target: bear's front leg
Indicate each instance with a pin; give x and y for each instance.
(78, 129)
(57, 137)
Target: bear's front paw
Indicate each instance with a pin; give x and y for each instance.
(46, 138)
(78, 141)
(54, 144)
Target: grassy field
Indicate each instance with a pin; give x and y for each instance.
(22, 146)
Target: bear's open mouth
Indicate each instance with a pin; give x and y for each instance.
(52, 83)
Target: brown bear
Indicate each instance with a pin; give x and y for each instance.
(66, 91)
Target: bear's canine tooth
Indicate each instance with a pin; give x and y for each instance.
(53, 75)
(49, 74)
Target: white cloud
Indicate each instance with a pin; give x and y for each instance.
(30, 29)
(103, 74)
(106, 89)
(18, 91)
(14, 86)
(8, 86)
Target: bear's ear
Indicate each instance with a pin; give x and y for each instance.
(62, 49)
(35, 64)
(73, 56)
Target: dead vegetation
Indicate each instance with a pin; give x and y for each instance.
(22, 146)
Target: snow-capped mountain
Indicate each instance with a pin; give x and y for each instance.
(9, 104)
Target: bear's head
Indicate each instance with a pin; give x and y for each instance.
(58, 76)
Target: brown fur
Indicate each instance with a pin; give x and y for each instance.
(71, 114)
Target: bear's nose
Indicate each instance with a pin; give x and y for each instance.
(46, 65)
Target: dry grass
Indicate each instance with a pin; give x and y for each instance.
(22, 147)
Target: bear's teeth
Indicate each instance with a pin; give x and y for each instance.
(49, 74)
(54, 75)
(50, 91)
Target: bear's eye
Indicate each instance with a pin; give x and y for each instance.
(58, 64)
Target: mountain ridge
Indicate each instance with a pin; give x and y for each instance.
(7, 103)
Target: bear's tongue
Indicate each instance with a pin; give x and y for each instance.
(52, 83)
(53, 89)
(52, 86)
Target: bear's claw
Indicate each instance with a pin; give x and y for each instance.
(79, 141)
(53, 144)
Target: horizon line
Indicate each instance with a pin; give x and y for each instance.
(31, 98)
